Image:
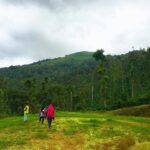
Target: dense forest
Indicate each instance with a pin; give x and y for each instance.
(80, 81)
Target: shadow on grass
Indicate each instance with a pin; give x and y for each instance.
(40, 135)
(5, 143)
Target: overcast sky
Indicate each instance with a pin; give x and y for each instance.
(32, 30)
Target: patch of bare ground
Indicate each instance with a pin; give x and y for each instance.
(61, 142)
(103, 146)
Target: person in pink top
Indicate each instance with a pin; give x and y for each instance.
(50, 114)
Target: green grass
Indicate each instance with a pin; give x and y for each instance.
(40, 135)
(75, 130)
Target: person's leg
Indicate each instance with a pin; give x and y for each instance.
(25, 117)
(42, 120)
(49, 122)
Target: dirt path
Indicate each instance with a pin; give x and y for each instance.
(134, 123)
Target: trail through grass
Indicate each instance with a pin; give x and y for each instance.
(76, 131)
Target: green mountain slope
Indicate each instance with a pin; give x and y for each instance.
(52, 68)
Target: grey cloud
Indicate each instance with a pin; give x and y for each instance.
(58, 5)
(7, 52)
(53, 5)
(53, 28)
(52, 2)
(37, 46)
(42, 2)
(32, 47)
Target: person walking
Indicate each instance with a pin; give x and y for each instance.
(50, 114)
(26, 111)
(42, 115)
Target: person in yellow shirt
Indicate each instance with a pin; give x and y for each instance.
(26, 112)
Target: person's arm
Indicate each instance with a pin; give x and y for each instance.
(54, 113)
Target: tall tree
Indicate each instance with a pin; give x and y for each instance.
(99, 56)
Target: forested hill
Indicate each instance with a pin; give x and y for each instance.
(54, 69)
(73, 82)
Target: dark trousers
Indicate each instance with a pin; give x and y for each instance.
(49, 121)
(41, 120)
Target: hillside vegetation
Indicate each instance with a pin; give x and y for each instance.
(78, 82)
(76, 131)
(142, 110)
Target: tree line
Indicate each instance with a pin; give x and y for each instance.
(78, 82)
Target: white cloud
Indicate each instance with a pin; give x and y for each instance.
(6, 62)
(33, 30)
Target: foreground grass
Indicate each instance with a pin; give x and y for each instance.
(75, 131)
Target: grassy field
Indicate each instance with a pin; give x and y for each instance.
(76, 131)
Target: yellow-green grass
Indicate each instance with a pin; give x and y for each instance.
(76, 131)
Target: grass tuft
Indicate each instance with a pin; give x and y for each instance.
(125, 143)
